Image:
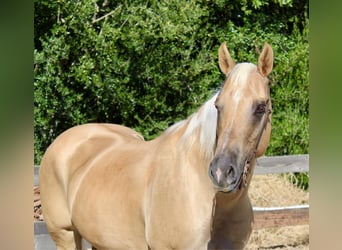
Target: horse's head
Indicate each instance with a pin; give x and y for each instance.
(243, 121)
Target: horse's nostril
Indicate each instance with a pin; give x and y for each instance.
(230, 173)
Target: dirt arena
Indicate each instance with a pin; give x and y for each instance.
(276, 191)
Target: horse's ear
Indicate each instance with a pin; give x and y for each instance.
(265, 62)
(225, 60)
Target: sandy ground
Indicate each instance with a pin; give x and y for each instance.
(275, 191)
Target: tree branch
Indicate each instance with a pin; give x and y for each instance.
(108, 14)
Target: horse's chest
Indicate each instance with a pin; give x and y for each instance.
(187, 235)
(179, 225)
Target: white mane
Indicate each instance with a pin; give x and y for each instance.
(204, 121)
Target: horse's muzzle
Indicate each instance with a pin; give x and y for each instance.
(225, 173)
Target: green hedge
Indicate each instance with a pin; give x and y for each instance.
(149, 64)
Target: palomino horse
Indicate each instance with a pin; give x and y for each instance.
(106, 184)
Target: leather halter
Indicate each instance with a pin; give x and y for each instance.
(246, 168)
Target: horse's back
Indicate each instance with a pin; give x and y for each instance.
(79, 145)
(67, 161)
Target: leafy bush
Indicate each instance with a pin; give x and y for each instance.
(148, 64)
(140, 67)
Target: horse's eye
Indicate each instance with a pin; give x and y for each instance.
(260, 109)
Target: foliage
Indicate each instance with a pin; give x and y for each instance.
(148, 64)
(140, 67)
(300, 180)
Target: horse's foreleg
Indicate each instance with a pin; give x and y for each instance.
(63, 239)
(78, 240)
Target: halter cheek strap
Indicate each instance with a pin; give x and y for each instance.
(246, 168)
